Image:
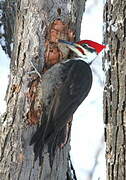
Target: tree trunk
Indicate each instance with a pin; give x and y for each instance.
(115, 89)
(38, 24)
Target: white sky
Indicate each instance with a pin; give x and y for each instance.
(87, 128)
(4, 72)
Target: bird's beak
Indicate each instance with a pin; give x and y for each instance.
(67, 42)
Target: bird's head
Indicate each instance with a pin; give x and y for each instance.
(86, 49)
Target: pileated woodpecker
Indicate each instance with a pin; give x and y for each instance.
(66, 85)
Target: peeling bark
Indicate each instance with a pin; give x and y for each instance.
(32, 39)
(115, 89)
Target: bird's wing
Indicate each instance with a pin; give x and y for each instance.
(65, 102)
(69, 96)
(73, 89)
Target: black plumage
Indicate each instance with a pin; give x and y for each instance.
(66, 85)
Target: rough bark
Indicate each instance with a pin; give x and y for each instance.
(34, 22)
(115, 89)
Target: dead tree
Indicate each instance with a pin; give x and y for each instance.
(115, 89)
(35, 26)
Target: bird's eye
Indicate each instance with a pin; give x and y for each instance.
(89, 48)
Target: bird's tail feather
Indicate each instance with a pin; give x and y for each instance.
(55, 140)
(38, 141)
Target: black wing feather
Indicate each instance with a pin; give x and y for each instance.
(72, 91)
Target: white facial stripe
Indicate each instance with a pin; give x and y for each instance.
(88, 57)
(76, 50)
(87, 53)
(78, 45)
(86, 48)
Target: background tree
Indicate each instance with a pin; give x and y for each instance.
(33, 26)
(115, 89)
